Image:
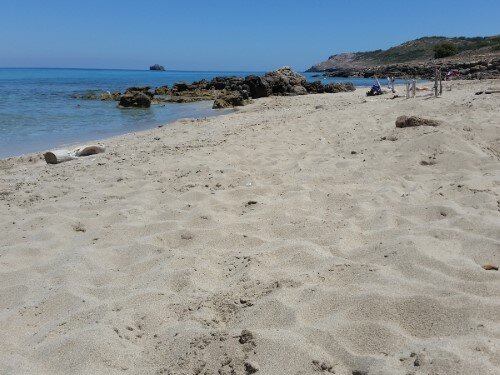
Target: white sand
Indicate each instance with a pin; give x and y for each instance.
(148, 259)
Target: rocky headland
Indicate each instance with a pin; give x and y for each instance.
(469, 58)
(226, 92)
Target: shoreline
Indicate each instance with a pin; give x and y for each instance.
(69, 117)
(90, 140)
(299, 234)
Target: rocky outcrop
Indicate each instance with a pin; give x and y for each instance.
(283, 81)
(229, 99)
(257, 87)
(162, 90)
(229, 91)
(145, 90)
(157, 67)
(135, 99)
(299, 90)
(333, 88)
(415, 52)
(477, 58)
(488, 68)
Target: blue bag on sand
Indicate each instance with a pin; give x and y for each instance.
(375, 90)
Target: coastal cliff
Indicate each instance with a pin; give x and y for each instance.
(475, 58)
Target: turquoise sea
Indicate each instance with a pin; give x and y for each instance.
(38, 110)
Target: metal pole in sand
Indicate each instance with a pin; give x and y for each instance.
(436, 81)
(440, 83)
(407, 89)
(414, 88)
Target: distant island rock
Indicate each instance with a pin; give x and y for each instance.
(157, 67)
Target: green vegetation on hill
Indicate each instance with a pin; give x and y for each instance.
(444, 49)
(422, 49)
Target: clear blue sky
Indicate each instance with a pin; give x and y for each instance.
(223, 34)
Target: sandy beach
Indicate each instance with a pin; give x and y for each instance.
(296, 235)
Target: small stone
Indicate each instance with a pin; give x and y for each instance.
(245, 336)
(490, 267)
(79, 227)
(186, 236)
(406, 122)
(251, 367)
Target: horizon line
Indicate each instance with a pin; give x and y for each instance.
(133, 69)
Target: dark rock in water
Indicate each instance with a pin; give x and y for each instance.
(406, 122)
(157, 67)
(339, 87)
(135, 99)
(231, 99)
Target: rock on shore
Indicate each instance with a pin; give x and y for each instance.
(138, 97)
(230, 91)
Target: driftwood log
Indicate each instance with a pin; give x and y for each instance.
(88, 150)
(60, 156)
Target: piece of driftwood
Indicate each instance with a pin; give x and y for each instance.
(88, 150)
(58, 156)
(488, 91)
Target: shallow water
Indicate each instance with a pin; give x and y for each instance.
(38, 110)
